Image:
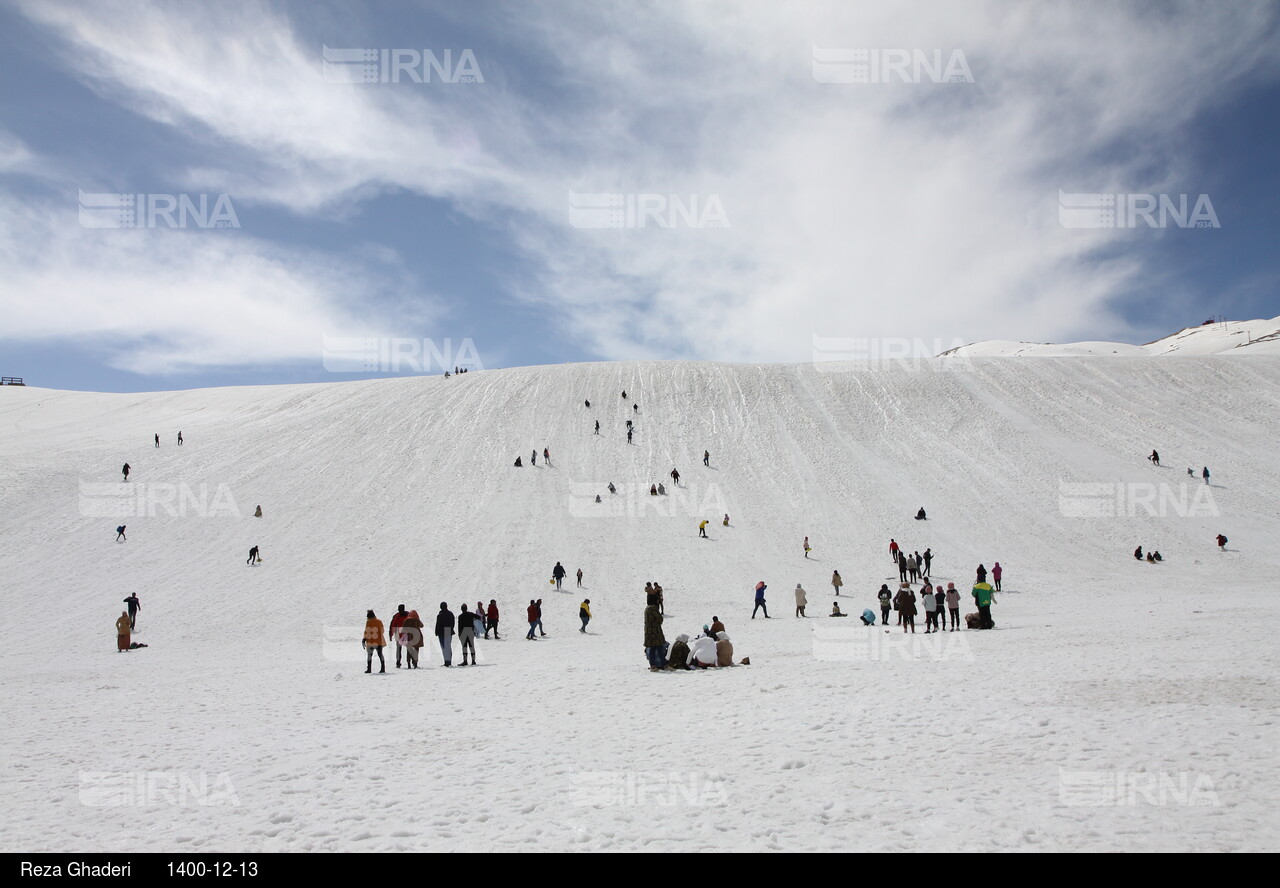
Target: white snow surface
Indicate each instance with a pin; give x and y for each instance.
(1257, 337)
(1118, 705)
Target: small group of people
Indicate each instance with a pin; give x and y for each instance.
(653, 590)
(710, 649)
(533, 458)
(936, 603)
(911, 567)
(1152, 556)
(408, 633)
(158, 439)
(457, 371)
(1154, 459)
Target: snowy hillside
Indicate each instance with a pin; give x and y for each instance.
(1103, 671)
(1259, 337)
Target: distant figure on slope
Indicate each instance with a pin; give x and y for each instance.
(868, 617)
(982, 574)
(467, 634)
(588, 403)
(157, 440)
(675, 477)
(519, 464)
(126, 471)
(802, 599)
(906, 605)
(134, 607)
(835, 610)
(624, 394)
(702, 529)
(726, 519)
(491, 619)
(902, 567)
(930, 605)
(996, 572)
(179, 439)
(953, 605)
(635, 408)
(120, 537)
(1204, 473)
(546, 456)
(533, 612)
(836, 581)
(885, 597)
(893, 549)
(628, 436)
(660, 598)
(655, 643)
(122, 632)
(653, 490)
(612, 489)
(913, 569)
(253, 556)
(940, 599)
(413, 636)
(257, 513)
(760, 602)
(444, 632)
(1154, 457)
(1156, 556)
(557, 574)
(374, 641)
(716, 625)
(533, 458)
(706, 457)
(1150, 558)
(1222, 541)
(920, 516)
(928, 561)
(597, 426)
(806, 547)
(662, 491)
(628, 424)
(584, 613)
(1137, 554)
(579, 578)
(1191, 471)
(397, 620)
(537, 606)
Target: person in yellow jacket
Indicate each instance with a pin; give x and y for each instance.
(123, 629)
(374, 640)
(584, 613)
(702, 529)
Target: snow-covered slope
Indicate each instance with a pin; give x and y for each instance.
(1156, 677)
(1258, 337)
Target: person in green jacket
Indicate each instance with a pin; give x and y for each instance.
(983, 598)
(655, 643)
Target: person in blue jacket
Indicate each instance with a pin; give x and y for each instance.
(868, 617)
(760, 603)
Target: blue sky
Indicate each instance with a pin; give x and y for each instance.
(904, 209)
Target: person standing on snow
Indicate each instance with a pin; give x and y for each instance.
(706, 458)
(533, 457)
(537, 608)
(802, 599)
(444, 632)
(906, 604)
(982, 572)
(660, 599)
(120, 534)
(179, 439)
(996, 571)
(584, 613)
(982, 597)
(885, 597)
(930, 605)
(546, 456)
(628, 435)
(928, 561)
(913, 569)
(902, 567)
(557, 574)
(134, 607)
(597, 426)
(702, 528)
(806, 547)
(836, 582)
(1155, 458)
(467, 634)
(675, 477)
(760, 602)
(1222, 541)
(373, 641)
(579, 578)
(125, 470)
(655, 643)
(953, 605)
(122, 632)
(412, 637)
(533, 619)
(491, 619)
(1204, 473)
(397, 620)
(893, 549)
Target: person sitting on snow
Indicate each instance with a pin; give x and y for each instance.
(702, 653)
(679, 653)
(835, 610)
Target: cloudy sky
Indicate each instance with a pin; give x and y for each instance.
(547, 182)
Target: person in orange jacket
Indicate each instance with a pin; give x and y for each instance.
(411, 632)
(122, 632)
(374, 640)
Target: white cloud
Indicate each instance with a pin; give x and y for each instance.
(918, 210)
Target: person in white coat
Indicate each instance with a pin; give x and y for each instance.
(702, 653)
(801, 600)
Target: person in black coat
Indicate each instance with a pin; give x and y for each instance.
(134, 607)
(982, 574)
(444, 632)
(467, 634)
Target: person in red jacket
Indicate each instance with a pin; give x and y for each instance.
(491, 619)
(996, 572)
(396, 622)
(534, 618)
(893, 549)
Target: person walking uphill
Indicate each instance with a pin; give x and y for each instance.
(122, 632)
(760, 602)
(125, 470)
(655, 643)
(557, 573)
(397, 620)
(467, 634)
(413, 637)
(675, 477)
(444, 632)
(134, 607)
(120, 537)
(253, 556)
(802, 599)
(374, 640)
(584, 613)
(982, 597)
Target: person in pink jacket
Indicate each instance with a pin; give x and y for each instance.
(953, 605)
(996, 571)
